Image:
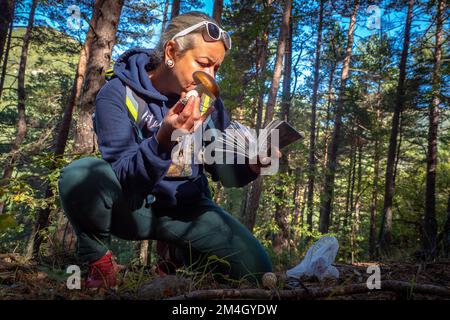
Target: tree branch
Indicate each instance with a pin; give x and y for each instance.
(401, 287)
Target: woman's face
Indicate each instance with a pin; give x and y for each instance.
(205, 56)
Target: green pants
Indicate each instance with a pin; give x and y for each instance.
(97, 207)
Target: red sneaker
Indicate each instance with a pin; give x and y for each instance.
(102, 272)
(167, 262)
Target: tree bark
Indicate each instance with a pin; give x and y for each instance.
(21, 98)
(401, 287)
(249, 206)
(6, 54)
(270, 106)
(217, 10)
(358, 182)
(376, 174)
(218, 193)
(281, 240)
(328, 116)
(327, 194)
(399, 147)
(99, 60)
(6, 15)
(326, 131)
(446, 231)
(357, 206)
(255, 191)
(296, 196)
(430, 223)
(144, 247)
(286, 94)
(164, 19)
(303, 206)
(350, 183)
(312, 138)
(175, 9)
(385, 236)
(262, 43)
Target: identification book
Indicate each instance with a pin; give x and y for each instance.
(239, 139)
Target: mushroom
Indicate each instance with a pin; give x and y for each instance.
(207, 82)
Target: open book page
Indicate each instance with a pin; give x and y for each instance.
(239, 139)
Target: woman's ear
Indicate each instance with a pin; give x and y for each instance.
(169, 52)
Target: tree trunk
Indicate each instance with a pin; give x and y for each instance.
(248, 207)
(376, 173)
(144, 247)
(401, 288)
(328, 115)
(281, 240)
(357, 206)
(164, 19)
(217, 10)
(286, 94)
(430, 223)
(218, 193)
(255, 191)
(446, 231)
(327, 194)
(350, 182)
(347, 233)
(312, 130)
(303, 206)
(270, 106)
(296, 196)
(386, 223)
(326, 130)
(217, 15)
(42, 220)
(175, 9)
(399, 147)
(21, 98)
(6, 54)
(6, 15)
(263, 43)
(99, 60)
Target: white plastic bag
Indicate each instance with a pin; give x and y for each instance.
(318, 260)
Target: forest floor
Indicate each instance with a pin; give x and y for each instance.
(21, 279)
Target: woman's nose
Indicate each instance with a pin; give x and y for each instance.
(210, 71)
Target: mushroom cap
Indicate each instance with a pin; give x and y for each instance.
(201, 77)
(269, 280)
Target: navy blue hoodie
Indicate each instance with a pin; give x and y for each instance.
(142, 167)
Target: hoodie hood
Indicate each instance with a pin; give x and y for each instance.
(130, 68)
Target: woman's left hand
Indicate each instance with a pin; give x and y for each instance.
(263, 162)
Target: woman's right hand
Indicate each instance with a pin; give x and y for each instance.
(180, 117)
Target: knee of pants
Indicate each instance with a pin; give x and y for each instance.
(88, 188)
(133, 222)
(218, 233)
(251, 260)
(245, 257)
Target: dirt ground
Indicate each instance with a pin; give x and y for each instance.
(20, 279)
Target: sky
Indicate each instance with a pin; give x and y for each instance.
(73, 19)
(367, 17)
(367, 23)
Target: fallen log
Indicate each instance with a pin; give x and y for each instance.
(401, 287)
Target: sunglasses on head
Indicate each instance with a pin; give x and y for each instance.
(213, 33)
